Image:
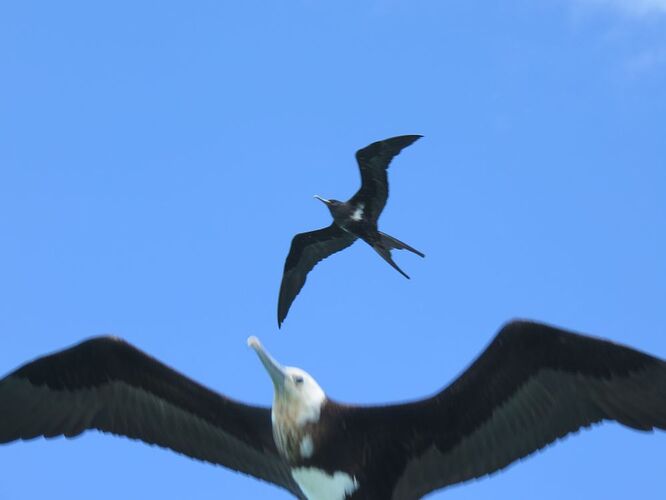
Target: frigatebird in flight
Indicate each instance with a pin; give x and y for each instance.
(532, 385)
(352, 219)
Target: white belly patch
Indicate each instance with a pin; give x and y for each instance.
(318, 485)
(358, 213)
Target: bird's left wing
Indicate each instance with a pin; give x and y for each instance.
(307, 249)
(532, 385)
(373, 161)
(107, 384)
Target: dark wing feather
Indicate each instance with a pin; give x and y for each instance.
(109, 385)
(307, 249)
(373, 161)
(532, 385)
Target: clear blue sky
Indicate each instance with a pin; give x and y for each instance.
(157, 157)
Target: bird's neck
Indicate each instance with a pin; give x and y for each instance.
(341, 212)
(293, 421)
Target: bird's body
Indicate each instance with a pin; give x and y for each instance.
(352, 219)
(532, 385)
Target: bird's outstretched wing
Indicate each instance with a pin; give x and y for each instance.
(532, 385)
(373, 161)
(107, 384)
(307, 249)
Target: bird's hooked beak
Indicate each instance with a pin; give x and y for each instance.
(323, 200)
(274, 369)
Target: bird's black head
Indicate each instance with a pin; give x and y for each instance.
(337, 208)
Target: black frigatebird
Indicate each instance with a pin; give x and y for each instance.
(352, 219)
(532, 385)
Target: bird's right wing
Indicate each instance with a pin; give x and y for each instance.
(307, 249)
(373, 161)
(107, 384)
(532, 385)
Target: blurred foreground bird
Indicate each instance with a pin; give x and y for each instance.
(532, 385)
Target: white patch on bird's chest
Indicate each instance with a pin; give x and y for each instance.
(357, 214)
(319, 485)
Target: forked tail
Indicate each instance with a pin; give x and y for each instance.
(384, 246)
(390, 242)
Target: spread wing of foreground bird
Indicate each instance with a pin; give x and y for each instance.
(352, 219)
(532, 385)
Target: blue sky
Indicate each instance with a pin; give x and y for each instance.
(157, 157)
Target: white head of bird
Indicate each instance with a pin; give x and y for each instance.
(297, 399)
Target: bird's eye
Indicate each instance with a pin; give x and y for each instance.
(298, 379)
